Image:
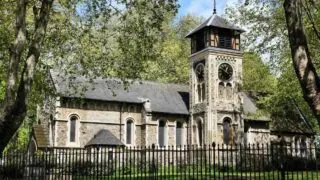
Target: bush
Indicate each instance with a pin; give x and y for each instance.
(298, 164)
(254, 162)
(87, 168)
(147, 166)
(11, 171)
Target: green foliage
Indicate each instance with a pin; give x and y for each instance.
(20, 140)
(6, 21)
(266, 34)
(172, 64)
(256, 75)
(264, 22)
(95, 38)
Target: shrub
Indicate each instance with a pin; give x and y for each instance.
(87, 168)
(11, 171)
(254, 162)
(299, 163)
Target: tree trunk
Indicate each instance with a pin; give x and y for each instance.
(15, 106)
(302, 63)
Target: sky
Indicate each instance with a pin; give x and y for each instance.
(203, 7)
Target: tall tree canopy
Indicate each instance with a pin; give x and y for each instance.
(72, 36)
(300, 52)
(256, 75)
(279, 30)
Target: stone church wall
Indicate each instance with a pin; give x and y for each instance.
(171, 123)
(61, 133)
(113, 117)
(88, 130)
(152, 134)
(256, 136)
(94, 116)
(257, 132)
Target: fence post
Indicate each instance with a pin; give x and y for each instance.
(1, 164)
(45, 161)
(153, 163)
(214, 159)
(282, 168)
(97, 162)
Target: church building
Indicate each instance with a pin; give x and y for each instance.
(211, 108)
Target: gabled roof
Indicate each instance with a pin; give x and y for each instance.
(104, 138)
(215, 21)
(250, 109)
(164, 98)
(41, 135)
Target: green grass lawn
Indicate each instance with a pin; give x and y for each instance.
(218, 175)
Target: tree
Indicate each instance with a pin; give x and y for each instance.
(301, 56)
(270, 24)
(172, 64)
(256, 75)
(73, 37)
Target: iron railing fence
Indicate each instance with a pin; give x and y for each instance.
(254, 161)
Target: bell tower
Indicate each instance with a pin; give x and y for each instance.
(215, 78)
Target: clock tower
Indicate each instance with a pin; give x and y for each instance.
(215, 78)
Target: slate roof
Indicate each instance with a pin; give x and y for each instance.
(104, 138)
(251, 111)
(164, 98)
(41, 136)
(215, 21)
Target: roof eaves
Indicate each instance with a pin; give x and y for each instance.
(172, 113)
(257, 119)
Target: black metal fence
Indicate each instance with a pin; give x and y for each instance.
(254, 161)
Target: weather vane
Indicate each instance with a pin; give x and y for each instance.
(214, 7)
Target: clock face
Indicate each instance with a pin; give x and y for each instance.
(225, 71)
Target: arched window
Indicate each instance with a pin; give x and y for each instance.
(199, 124)
(179, 134)
(200, 88)
(129, 132)
(73, 128)
(227, 134)
(162, 133)
(221, 90)
(229, 94)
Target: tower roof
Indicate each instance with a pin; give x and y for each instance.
(215, 21)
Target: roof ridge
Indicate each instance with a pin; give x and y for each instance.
(211, 19)
(99, 78)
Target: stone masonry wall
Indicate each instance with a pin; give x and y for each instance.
(61, 133)
(94, 116)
